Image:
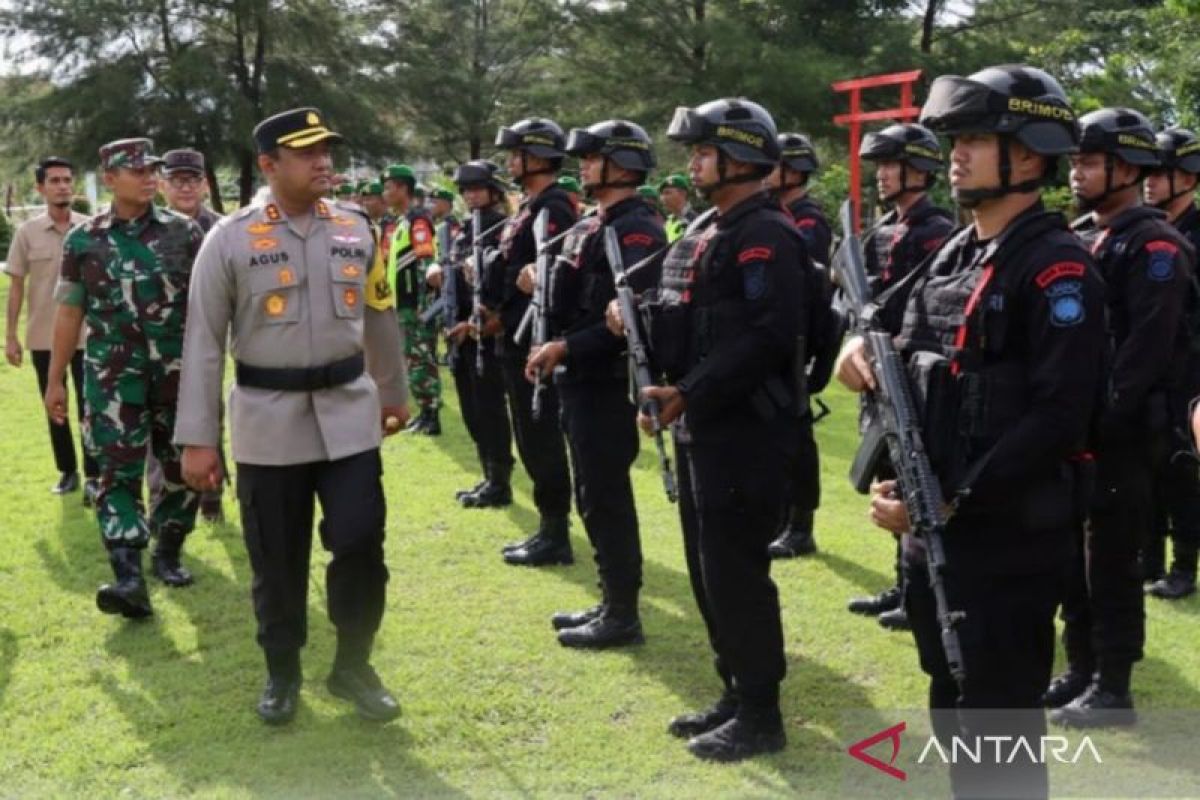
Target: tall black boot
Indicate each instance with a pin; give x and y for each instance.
(127, 596)
(496, 492)
(755, 729)
(165, 561)
(617, 624)
(550, 545)
(354, 679)
(280, 697)
(433, 423)
(796, 538)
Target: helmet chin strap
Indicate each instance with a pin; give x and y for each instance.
(905, 188)
(525, 170)
(1174, 194)
(970, 198)
(605, 183)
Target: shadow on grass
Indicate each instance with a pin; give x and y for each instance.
(212, 741)
(869, 580)
(8, 657)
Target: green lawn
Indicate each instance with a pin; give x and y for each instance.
(92, 705)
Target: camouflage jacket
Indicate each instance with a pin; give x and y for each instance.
(131, 278)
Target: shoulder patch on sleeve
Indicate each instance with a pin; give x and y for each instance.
(1062, 269)
(1161, 264)
(758, 253)
(806, 222)
(637, 240)
(1066, 303)
(929, 245)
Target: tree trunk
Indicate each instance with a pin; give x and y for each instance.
(927, 25)
(245, 176)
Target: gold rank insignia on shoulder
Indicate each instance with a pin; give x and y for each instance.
(264, 244)
(259, 228)
(351, 297)
(273, 213)
(275, 305)
(351, 271)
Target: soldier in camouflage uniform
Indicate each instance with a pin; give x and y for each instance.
(409, 243)
(126, 273)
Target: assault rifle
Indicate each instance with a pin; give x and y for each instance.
(639, 356)
(894, 427)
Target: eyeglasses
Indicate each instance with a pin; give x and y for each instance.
(184, 181)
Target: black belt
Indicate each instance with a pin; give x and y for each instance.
(301, 379)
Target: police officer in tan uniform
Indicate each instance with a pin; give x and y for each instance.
(319, 375)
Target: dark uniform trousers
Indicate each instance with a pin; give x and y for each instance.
(540, 441)
(804, 488)
(601, 428)
(481, 398)
(1104, 609)
(731, 490)
(60, 435)
(277, 516)
(1176, 492)
(1007, 640)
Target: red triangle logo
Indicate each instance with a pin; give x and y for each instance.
(859, 751)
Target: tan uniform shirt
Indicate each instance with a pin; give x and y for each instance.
(36, 254)
(288, 298)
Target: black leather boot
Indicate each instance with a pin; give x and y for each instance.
(617, 624)
(695, 723)
(354, 679)
(496, 491)
(750, 732)
(165, 561)
(796, 538)
(550, 545)
(281, 696)
(127, 596)
(433, 423)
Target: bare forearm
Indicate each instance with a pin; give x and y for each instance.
(67, 322)
(16, 296)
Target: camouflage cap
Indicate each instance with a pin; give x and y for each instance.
(570, 183)
(183, 161)
(676, 180)
(371, 189)
(399, 172)
(131, 153)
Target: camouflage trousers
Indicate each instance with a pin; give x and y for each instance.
(420, 350)
(130, 401)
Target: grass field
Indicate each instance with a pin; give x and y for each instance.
(493, 707)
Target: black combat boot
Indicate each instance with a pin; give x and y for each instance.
(1098, 707)
(165, 561)
(873, 606)
(550, 545)
(496, 492)
(796, 538)
(354, 679)
(461, 493)
(752, 731)
(617, 625)
(696, 723)
(1175, 586)
(127, 596)
(433, 423)
(417, 423)
(280, 697)
(1066, 687)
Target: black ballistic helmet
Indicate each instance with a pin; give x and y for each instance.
(1179, 148)
(1121, 132)
(624, 143)
(1012, 99)
(739, 128)
(907, 143)
(478, 173)
(796, 152)
(536, 136)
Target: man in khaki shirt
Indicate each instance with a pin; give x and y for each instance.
(289, 282)
(33, 262)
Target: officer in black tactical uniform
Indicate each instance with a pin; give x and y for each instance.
(788, 183)
(1009, 312)
(1146, 265)
(725, 321)
(591, 372)
(907, 158)
(1171, 187)
(535, 155)
(480, 395)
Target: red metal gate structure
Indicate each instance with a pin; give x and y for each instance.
(856, 117)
